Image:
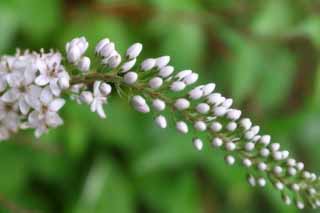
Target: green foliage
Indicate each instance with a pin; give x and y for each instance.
(258, 52)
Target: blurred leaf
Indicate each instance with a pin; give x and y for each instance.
(106, 189)
(8, 26)
(274, 17)
(276, 78)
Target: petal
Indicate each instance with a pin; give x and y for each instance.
(23, 106)
(53, 119)
(93, 106)
(100, 111)
(14, 79)
(96, 90)
(56, 104)
(46, 96)
(10, 96)
(55, 89)
(42, 80)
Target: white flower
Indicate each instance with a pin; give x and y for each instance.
(200, 126)
(105, 89)
(182, 74)
(98, 100)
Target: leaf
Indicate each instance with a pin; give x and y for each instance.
(105, 189)
(274, 18)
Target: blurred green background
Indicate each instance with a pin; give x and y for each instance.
(263, 53)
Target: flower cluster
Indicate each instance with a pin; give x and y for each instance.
(31, 86)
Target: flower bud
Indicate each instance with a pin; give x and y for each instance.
(155, 83)
(191, 78)
(148, 64)
(182, 104)
(84, 64)
(182, 127)
(166, 71)
(161, 121)
(134, 50)
(208, 89)
(139, 104)
(101, 44)
(86, 97)
(162, 61)
(105, 89)
(200, 126)
(198, 144)
(177, 86)
(130, 78)
(217, 142)
(128, 65)
(107, 50)
(203, 108)
(158, 104)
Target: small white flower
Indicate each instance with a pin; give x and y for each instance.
(114, 61)
(98, 100)
(130, 78)
(247, 162)
(203, 108)
(215, 99)
(134, 50)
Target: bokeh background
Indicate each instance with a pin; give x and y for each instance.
(263, 53)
